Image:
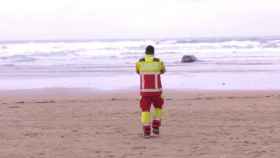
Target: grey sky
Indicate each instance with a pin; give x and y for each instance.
(83, 19)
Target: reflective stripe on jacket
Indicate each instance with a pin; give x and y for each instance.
(150, 69)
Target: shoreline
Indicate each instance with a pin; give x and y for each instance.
(128, 93)
(172, 80)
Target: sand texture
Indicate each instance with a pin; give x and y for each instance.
(199, 124)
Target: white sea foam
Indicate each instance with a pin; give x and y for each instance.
(25, 65)
(61, 53)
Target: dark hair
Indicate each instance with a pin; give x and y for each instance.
(150, 50)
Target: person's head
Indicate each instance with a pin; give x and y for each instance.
(150, 50)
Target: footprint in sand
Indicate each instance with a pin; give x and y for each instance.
(14, 107)
(44, 102)
(138, 147)
(20, 102)
(31, 134)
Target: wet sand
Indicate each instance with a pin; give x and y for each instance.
(75, 123)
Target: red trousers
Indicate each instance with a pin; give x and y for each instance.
(147, 101)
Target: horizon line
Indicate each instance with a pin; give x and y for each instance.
(150, 38)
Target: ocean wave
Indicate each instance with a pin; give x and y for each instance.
(18, 58)
(80, 52)
(3, 47)
(56, 53)
(7, 65)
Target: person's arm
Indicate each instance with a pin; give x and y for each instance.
(162, 69)
(137, 67)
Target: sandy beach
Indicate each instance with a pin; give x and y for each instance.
(71, 123)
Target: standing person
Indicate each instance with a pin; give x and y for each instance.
(149, 69)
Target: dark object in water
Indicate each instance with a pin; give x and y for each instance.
(188, 59)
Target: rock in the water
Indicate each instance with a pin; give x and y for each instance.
(188, 59)
(4, 47)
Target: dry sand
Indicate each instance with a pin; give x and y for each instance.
(72, 123)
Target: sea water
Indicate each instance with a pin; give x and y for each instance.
(223, 63)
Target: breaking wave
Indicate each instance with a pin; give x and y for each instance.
(117, 51)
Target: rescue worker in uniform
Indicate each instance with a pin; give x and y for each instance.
(150, 69)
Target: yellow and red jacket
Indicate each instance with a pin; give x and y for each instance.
(150, 69)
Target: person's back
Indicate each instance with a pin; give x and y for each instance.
(149, 69)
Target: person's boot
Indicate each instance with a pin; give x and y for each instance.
(147, 131)
(156, 125)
